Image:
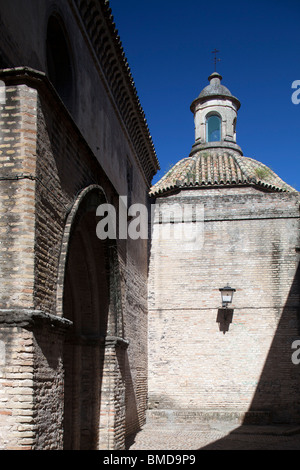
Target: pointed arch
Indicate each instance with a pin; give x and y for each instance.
(89, 296)
(86, 202)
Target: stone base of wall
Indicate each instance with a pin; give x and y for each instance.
(172, 417)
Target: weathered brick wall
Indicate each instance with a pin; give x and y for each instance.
(48, 387)
(48, 161)
(17, 160)
(48, 168)
(64, 179)
(136, 326)
(31, 380)
(198, 361)
(16, 389)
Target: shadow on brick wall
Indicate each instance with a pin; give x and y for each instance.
(224, 318)
(132, 424)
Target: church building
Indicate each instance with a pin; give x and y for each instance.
(223, 280)
(98, 335)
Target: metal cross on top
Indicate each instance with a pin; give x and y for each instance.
(215, 58)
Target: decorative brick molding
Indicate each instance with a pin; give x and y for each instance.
(97, 20)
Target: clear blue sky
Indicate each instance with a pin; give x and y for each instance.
(168, 46)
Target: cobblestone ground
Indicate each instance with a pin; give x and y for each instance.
(216, 436)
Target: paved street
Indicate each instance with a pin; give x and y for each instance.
(216, 436)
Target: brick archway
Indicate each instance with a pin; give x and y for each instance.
(90, 297)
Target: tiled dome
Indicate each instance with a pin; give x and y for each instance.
(216, 169)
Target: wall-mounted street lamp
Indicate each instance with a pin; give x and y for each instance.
(226, 294)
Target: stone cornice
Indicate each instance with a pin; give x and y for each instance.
(30, 318)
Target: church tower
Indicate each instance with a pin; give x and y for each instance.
(207, 362)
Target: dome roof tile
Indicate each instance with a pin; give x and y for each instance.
(219, 169)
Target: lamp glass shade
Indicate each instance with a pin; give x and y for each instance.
(227, 294)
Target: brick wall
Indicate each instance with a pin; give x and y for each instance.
(41, 182)
(16, 389)
(47, 162)
(199, 361)
(136, 326)
(17, 157)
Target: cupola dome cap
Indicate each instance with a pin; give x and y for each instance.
(215, 90)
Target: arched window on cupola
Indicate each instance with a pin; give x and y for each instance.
(213, 128)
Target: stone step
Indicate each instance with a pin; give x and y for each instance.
(168, 416)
